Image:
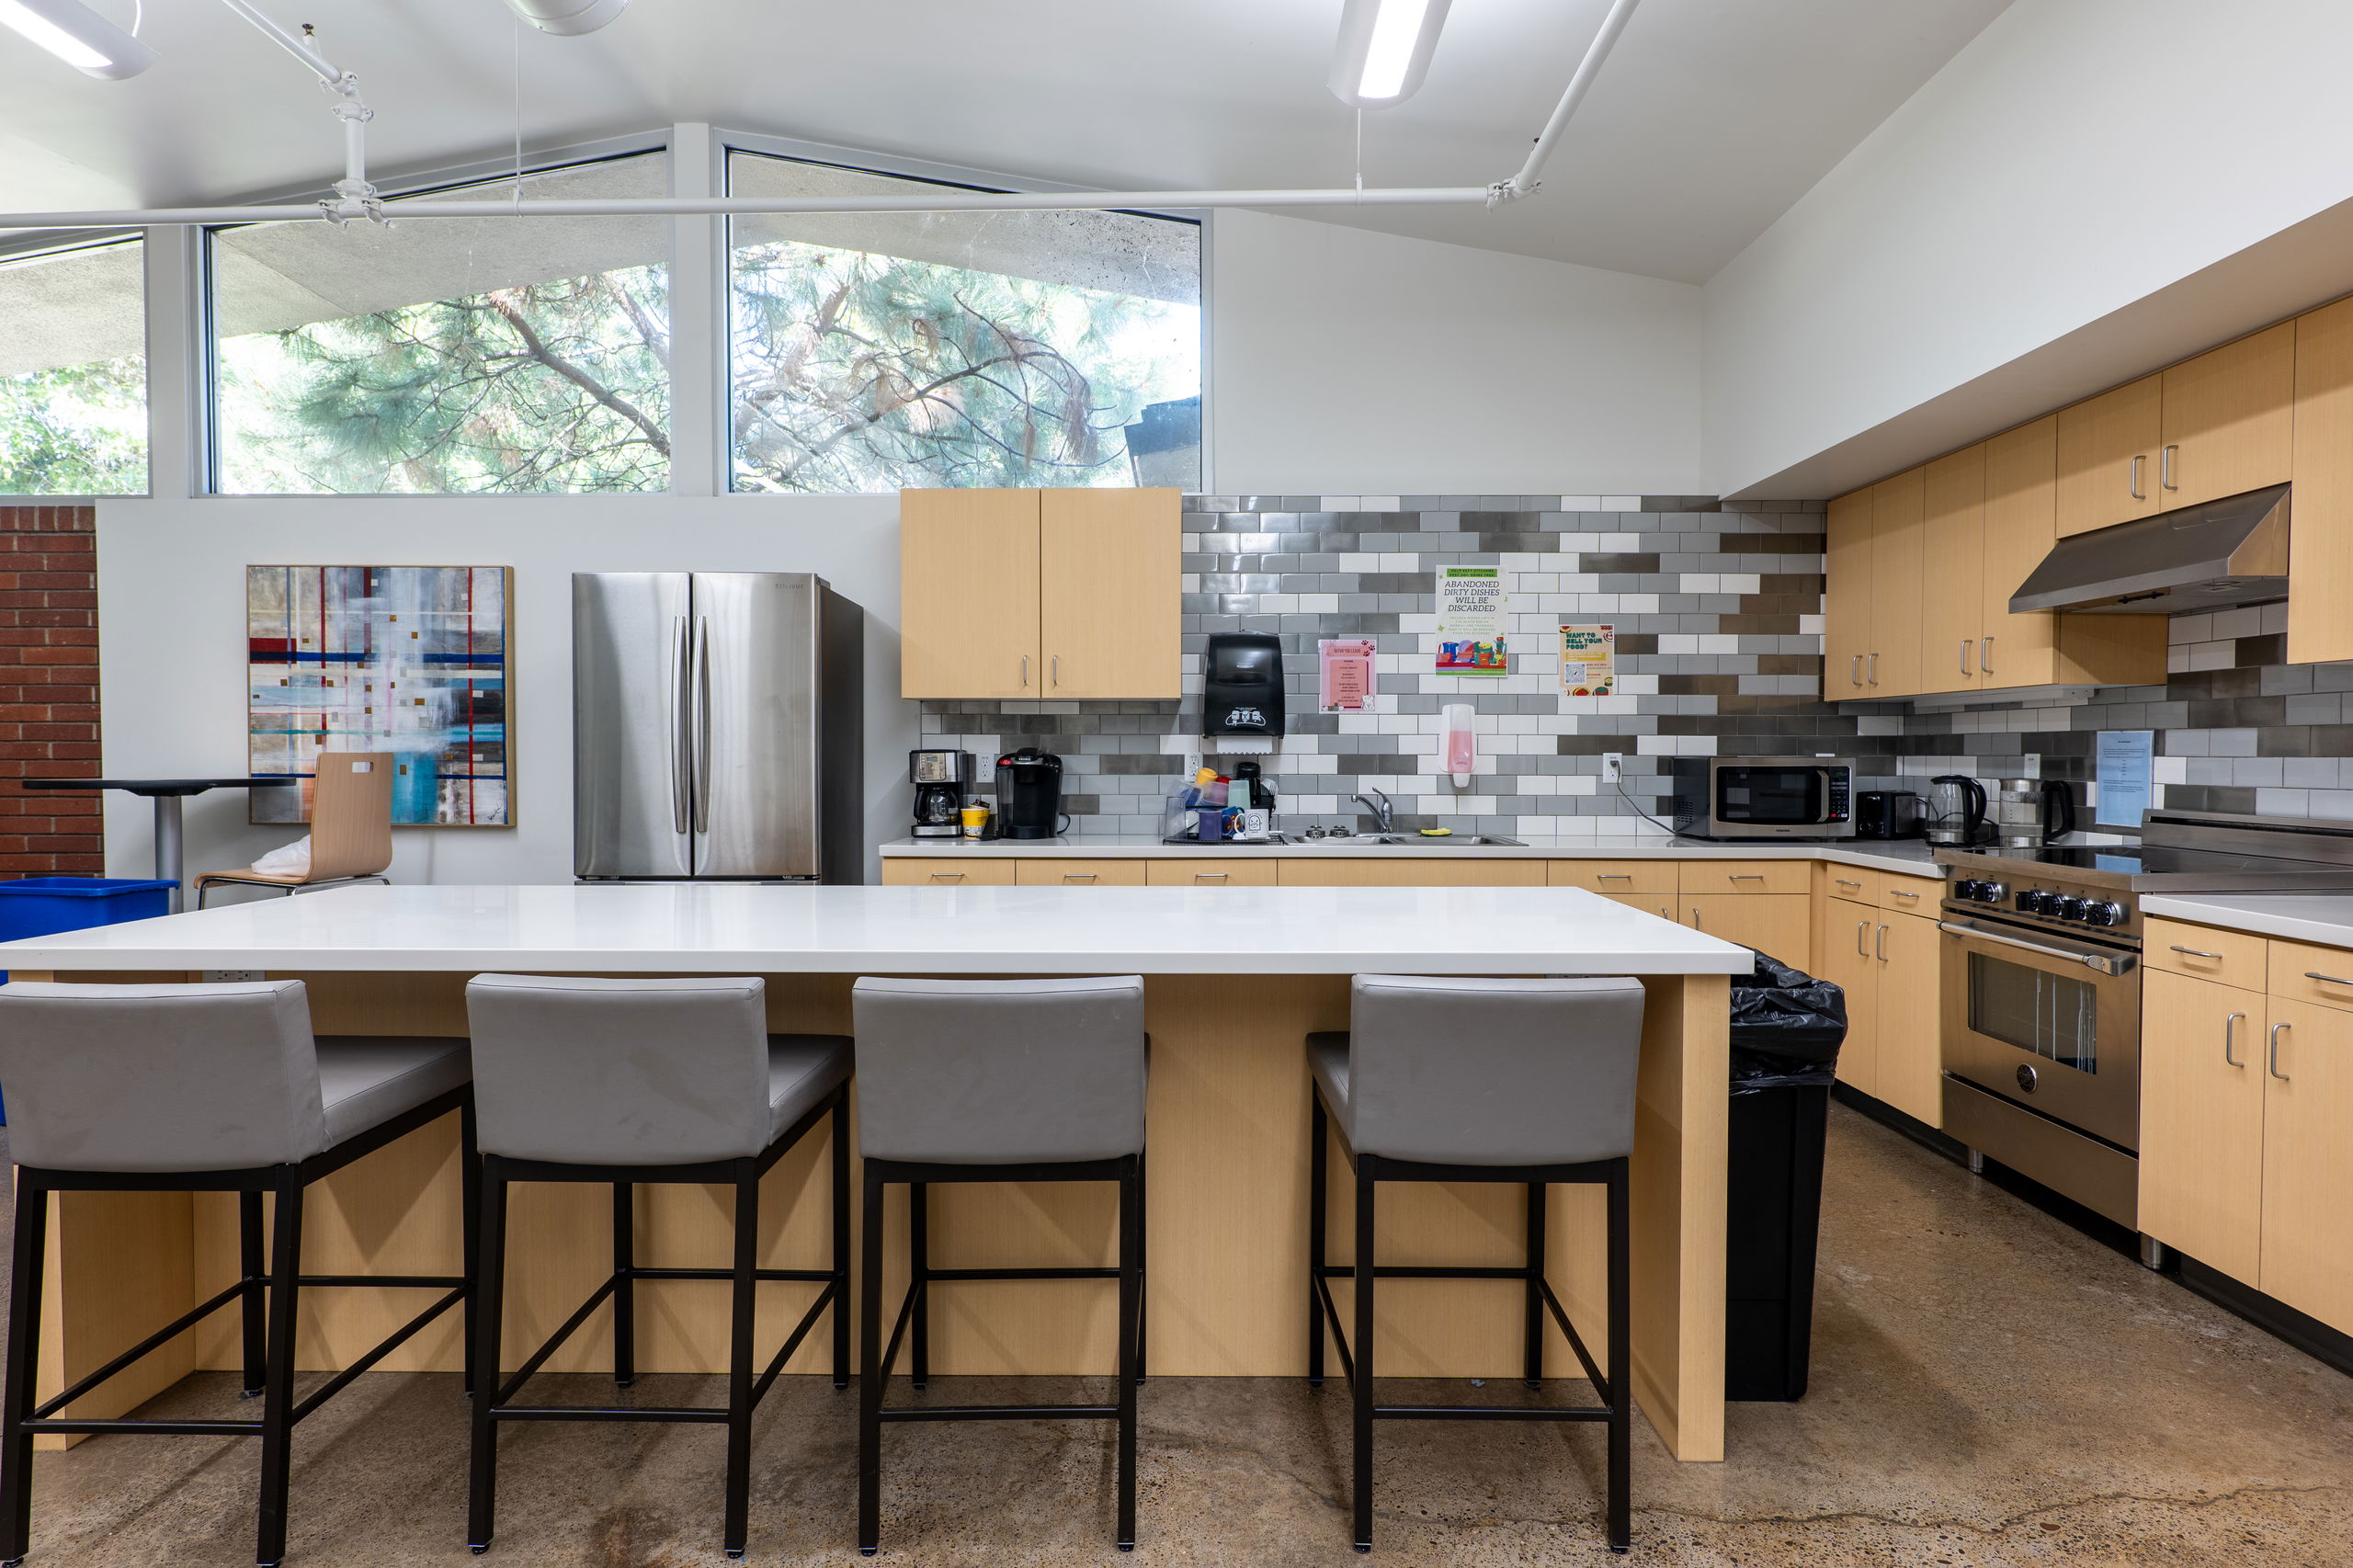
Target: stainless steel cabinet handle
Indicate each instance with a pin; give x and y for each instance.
(1694, 919)
(1025, 669)
(2196, 953)
(1879, 945)
(681, 709)
(1966, 646)
(1874, 669)
(1862, 939)
(1845, 883)
(1211, 876)
(1055, 669)
(1613, 876)
(2275, 1052)
(1855, 671)
(2101, 963)
(1744, 877)
(1078, 876)
(2230, 1027)
(702, 724)
(2164, 468)
(948, 876)
(2135, 485)
(2325, 979)
(1899, 893)
(1985, 657)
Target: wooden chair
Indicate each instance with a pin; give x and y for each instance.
(351, 828)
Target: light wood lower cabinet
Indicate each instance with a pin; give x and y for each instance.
(2308, 1159)
(977, 872)
(1843, 957)
(1888, 964)
(1407, 872)
(1080, 873)
(1775, 923)
(1217, 874)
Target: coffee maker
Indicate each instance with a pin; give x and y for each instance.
(1029, 794)
(941, 778)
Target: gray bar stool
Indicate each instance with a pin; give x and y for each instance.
(1528, 1081)
(628, 1081)
(204, 1088)
(996, 1080)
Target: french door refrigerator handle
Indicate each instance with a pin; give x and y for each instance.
(701, 675)
(681, 705)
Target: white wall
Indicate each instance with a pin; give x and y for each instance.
(1347, 362)
(171, 632)
(2076, 157)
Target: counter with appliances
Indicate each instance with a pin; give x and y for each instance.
(1236, 978)
(1911, 856)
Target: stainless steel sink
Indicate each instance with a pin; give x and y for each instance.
(1458, 840)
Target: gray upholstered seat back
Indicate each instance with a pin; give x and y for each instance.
(160, 1077)
(1493, 1072)
(1000, 1071)
(618, 1071)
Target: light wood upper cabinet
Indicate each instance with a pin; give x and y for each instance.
(2107, 456)
(1039, 594)
(2229, 425)
(1899, 538)
(2320, 539)
(967, 593)
(1953, 560)
(1846, 598)
(1108, 573)
(2202, 1047)
(2021, 525)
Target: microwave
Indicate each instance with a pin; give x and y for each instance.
(1764, 797)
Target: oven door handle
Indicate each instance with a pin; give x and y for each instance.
(2103, 963)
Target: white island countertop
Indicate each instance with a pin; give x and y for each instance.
(1908, 856)
(768, 929)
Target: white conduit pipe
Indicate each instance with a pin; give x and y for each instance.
(938, 200)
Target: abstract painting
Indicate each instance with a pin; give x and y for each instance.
(411, 660)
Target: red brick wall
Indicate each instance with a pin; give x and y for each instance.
(49, 688)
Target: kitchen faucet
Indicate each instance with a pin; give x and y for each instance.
(1383, 814)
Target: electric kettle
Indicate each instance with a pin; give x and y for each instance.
(1956, 813)
(2032, 812)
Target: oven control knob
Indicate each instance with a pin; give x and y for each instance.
(2034, 901)
(2103, 913)
(1991, 893)
(2066, 906)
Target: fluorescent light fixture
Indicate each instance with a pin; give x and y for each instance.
(79, 36)
(1385, 48)
(569, 17)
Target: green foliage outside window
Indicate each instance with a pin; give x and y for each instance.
(75, 430)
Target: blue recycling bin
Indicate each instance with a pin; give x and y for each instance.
(43, 906)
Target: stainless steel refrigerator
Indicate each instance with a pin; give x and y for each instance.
(716, 727)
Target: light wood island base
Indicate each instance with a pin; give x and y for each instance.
(1227, 1172)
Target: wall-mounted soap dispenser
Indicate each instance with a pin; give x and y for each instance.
(1242, 691)
(1462, 745)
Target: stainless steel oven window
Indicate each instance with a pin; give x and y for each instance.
(2053, 1016)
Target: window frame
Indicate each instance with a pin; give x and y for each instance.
(61, 242)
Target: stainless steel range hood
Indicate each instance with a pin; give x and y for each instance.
(2231, 551)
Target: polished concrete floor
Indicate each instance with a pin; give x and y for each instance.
(1990, 1388)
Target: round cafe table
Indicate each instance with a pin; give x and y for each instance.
(167, 794)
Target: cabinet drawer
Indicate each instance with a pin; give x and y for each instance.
(1909, 895)
(1850, 883)
(1217, 874)
(927, 872)
(1615, 879)
(1081, 873)
(1745, 876)
(2323, 976)
(2232, 957)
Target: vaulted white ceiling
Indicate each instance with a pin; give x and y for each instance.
(1710, 119)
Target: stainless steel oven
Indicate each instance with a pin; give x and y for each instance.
(2042, 1044)
(1764, 797)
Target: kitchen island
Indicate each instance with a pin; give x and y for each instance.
(1236, 977)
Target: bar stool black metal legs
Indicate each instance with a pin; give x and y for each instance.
(879, 1358)
(629, 1082)
(494, 1395)
(1446, 1080)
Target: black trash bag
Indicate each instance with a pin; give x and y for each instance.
(1785, 1028)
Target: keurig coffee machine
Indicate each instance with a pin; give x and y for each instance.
(942, 780)
(1029, 794)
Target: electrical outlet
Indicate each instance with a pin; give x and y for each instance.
(2031, 765)
(1192, 764)
(1613, 766)
(232, 976)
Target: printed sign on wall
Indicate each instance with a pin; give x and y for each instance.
(1588, 660)
(1470, 603)
(1344, 682)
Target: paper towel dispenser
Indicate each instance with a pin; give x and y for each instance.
(1241, 686)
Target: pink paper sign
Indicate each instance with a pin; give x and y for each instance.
(1345, 678)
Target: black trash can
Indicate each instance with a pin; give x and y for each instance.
(1786, 1030)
